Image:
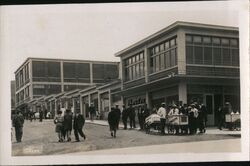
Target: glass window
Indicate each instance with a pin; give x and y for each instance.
(167, 45)
(137, 71)
(38, 69)
(157, 49)
(189, 54)
(208, 55)
(235, 57)
(216, 41)
(234, 42)
(225, 42)
(198, 55)
(226, 56)
(172, 42)
(217, 56)
(206, 40)
(167, 54)
(172, 58)
(162, 61)
(130, 73)
(54, 69)
(157, 63)
(162, 47)
(134, 72)
(188, 39)
(130, 61)
(197, 39)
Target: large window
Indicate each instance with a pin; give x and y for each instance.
(209, 50)
(105, 72)
(134, 66)
(163, 55)
(40, 89)
(76, 72)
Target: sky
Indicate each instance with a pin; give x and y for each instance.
(95, 31)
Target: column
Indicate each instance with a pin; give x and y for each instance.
(31, 80)
(182, 91)
(110, 100)
(74, 104)
(99, 102)
(122, 73)
(81, 106)
(181, 52)
(91, 72)
(62, 78)
(148, 100)
(146, 63)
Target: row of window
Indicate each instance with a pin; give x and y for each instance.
(22, 76)
(215, 41)
(24, 94)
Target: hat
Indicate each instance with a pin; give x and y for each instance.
(163, 103)
(174, 105)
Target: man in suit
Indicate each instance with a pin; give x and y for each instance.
(112, 120)
(18, 121)
(78, 125)
(131, 112)
(124, 116)
(118, 115)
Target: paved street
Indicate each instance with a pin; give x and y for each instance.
(40, 139)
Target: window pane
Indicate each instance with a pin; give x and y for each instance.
(197, 39)
(234, 42)
(208, 55)
(130, 73)
(162, 47)
(134, 72)
(188, 39)
(172, 43)
(162, 60)
(206, 40)
(235, 57)
(167, 59)
(198, 55)
(216, 41)
(226, 56)
(167, 45)
(225, 42)
(54, 69)
(157, 49)
(172, 58)
(217, 56)
(38, 69)
(137, 71)
(189, 53)
(157, 63)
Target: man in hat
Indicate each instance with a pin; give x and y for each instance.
(18, 121)
(78, 124)
(193, 115)
(118, 115)
(112, 120)
(202, 118)
(162, 113)
(67, 124)
(124, 116)
(92, 111)
(131, 115)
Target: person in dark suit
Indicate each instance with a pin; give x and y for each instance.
(78, 125)
(92, 111)
(112, 120)
(140, 111)
(124, 116)
(67, 124)
(40, 116)
(18, 121)
(118, 114)
(131, 113)
(202, 118)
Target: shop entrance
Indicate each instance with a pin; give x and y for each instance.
(209, 103)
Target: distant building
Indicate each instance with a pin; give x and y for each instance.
(184, 62)
(38, 77)
(13, 96)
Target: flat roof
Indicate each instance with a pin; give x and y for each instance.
(172, 27)
(68, 60)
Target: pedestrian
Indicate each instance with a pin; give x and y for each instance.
(45, 113)
(162, 113)
(131, 112)
(183, 109)
(145, 114)
(59, 125)
(18, 121)
(193, 115)
(40, 116)
(118, 115)
(140, 117)
(202, 118)
(92, 111)
(67, 124)
(112, 120)
(78, 124)
(124, 116)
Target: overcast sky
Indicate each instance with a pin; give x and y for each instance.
(95, 31)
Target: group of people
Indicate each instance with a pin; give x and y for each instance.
(64, 123)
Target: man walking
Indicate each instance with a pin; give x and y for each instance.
(92, 111)
(162, 113)
(67, 124)
(202, 118)
(124, 116)
(131, 116)
(140, 117)
(18, 121)
(78, 125)
(112, 120)
(118, 115)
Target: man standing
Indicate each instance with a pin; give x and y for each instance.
(118, 115)
(40, 115)
(140, 116)
(78, 125)
(124, 116)
(193, 115)
(146, 113)
(18, 121)
(92, 111)
(202, 118)
(162, 113)
(67, 124)
(112, 120)
(131, 112)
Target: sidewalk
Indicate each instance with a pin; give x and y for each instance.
(216, 146)
(209, 130)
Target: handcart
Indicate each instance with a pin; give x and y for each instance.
(176, 122)
(233, 121)
(152, 121)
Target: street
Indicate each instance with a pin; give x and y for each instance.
(39, 138)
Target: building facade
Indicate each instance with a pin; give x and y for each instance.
(38, 77)
(183, 63)
(13, 95)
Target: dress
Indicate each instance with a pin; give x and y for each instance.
(59, 123)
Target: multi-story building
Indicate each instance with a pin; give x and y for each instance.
(13, 95)
(183, 63)
(38, 77)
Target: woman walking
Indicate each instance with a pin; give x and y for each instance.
(59, 125)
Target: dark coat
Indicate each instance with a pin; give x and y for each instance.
(118, 112)
(112, 119)
(125, 113)
(67, 123)
(18, 120)
(78, 121)
(92, 110)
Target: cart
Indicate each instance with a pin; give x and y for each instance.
(232, 121)
(152, 121)
(176, 122)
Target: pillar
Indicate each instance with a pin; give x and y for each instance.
(148, 100)
(91, 72)
(74, 105)
(182, 91)
(62, 78)
(146, 64)
(99, 102)
(81, 106)
(110, 100)
(181, 52)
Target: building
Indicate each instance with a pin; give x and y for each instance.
(39, 78)
(13, 96)
(183, 63)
